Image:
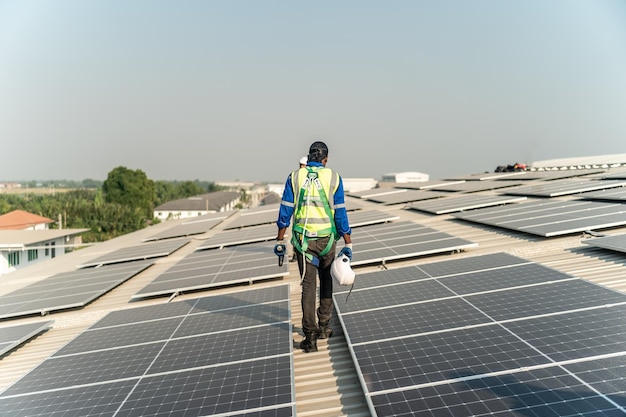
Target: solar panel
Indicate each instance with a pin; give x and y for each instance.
(240, 236)
(476, 186)
(195, 226)
(406, 196)
(615, 242)
(487, 176)
(368, 217)
(548, 391)
(425, 185)
(462, 203)
(139, 252)
(365, 194)
(550, 218)
(67, 290)
(204, 269)
(392, 241)
(268, 232)
(615, 175)
(614, 194)
(254, 216)
(192, 368)
(559, 174)
(13, 336)
(486, 335)
(565, 187)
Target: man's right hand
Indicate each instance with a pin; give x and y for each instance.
(280, 249)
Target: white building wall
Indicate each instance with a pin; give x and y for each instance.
(42, 255)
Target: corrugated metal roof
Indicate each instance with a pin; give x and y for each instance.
(210, 201)
(326, 381)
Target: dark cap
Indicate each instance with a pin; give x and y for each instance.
(318, 151)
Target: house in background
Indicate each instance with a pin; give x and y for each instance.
(198, 205)
(25, 239)
(23, 220)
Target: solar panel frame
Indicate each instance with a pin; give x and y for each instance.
(615, 242)
(230, 265)
(400, 240)
(612, 194)
(13, 336)
(147, 250)
(463, 203)
(254, 216)
(406, 196)
(68, 290)
(564, 187)
(550, 218)
(196, 226)
(477, 186)
(241, 236)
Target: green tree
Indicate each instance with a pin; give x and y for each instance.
(130, 188)
(190, 188)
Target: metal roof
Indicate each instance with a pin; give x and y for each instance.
(326, 382)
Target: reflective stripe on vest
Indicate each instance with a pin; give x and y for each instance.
(310, 215)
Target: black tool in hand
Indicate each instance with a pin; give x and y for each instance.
(279, 250)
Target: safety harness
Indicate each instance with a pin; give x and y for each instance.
(300, 236)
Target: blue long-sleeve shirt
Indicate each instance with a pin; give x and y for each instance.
(339, 202)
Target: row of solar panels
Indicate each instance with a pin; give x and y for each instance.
(486, 335)
(225, 355)
(179, 357)
(407, 329)
(204, 268)
(472, 336)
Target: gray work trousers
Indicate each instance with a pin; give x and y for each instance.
(309, 285)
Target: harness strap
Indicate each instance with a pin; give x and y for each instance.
(300, 237)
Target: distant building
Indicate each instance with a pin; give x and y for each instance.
(349, 185)
(25, 240)
(198, 205)
(23, 220)
(583, 162)
(359, 184)
(404, 177)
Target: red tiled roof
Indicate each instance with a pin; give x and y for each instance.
(20, 219)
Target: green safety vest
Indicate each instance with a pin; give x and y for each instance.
(314, 215)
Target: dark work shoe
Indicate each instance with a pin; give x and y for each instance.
(325, 331)
(309, 344)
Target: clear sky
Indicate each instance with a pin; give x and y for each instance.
(231, 89)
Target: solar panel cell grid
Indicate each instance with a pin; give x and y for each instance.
(383, 296)
(67, 290)
(410, 319)
(234, 361)
(577, 334)
(496, 346)
(543, 392)
(379, 243)
(215, 267)
(550, 218)
(439, 357)
(543, 299)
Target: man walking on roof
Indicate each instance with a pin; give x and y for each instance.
(314, 196)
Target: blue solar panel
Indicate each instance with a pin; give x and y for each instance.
(229, 354)
(486, 335)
